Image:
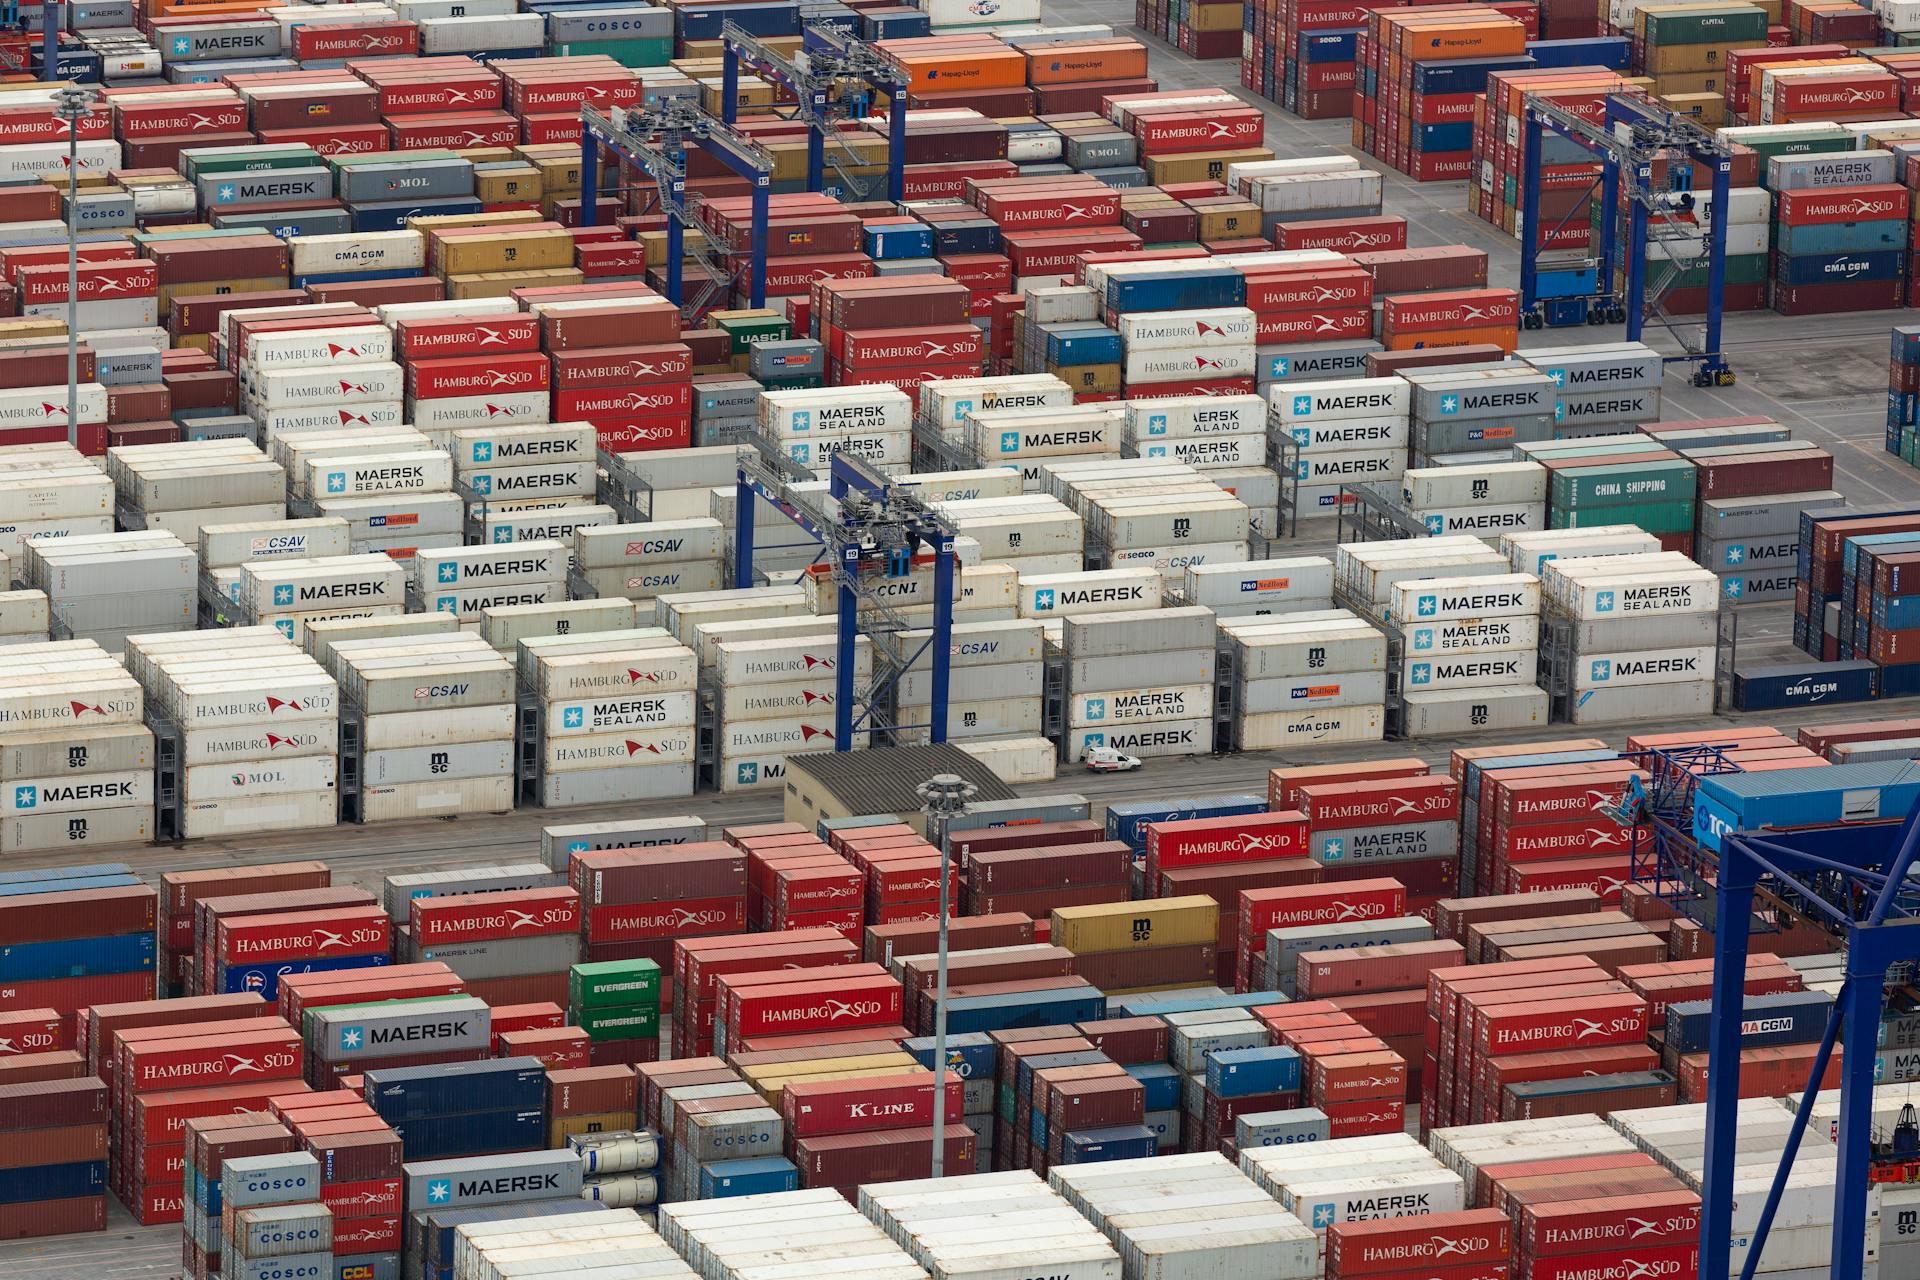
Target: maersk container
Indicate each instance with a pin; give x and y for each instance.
(1446, 599)
(1606, 705)
(1484, 520)
(1649, 593)
(392, 473)
(1440, 713)
(1129, 706)
(1722, 519)
(1156, 738)
(1294, 402)
(1410, 842)
(1473, 636)
(1272, 731)
(1468, 671)
(1182, 417)
(1093, 591)
(1619, 669)
(618, 712)
(558, 844)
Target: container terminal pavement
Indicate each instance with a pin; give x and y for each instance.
(402, 489)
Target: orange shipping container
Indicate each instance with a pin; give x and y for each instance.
(1080, 63)
(948, 70)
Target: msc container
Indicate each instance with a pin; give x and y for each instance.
(1438, 713)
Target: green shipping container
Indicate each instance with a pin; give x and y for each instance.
(1799, 147)
(1654, 517)
(1630, 483)
(195, 161)
(655, 52)
(1705, 24)
(619, 1022)
(604, 984)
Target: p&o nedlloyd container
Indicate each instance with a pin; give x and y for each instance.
(1261, 588)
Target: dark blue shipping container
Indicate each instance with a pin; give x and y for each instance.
(1202, 286)
(53, 1182)
(1790, 1017)
(471, 1133)
(703, 22)
(1839, 268)
(1121, 1142)
(1125, 821)
(1804, 684)
(1317, 47)
(1906, 343)
(500, 1084)
(1083, 344)
(1241, 1073)
(1615, 53)
(1025, 1009)
(391, 215)
(1443, 137)
(1463, 75)
(1900, 682)
(894, 26)
(976, 235)
(265, 978)
(76, 957)
(65, 884)
(1161, 1080)
(1896, 613)
(762, 1176)
(1574, 1086)
(971, 1057)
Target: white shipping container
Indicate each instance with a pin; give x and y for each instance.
(434, 763)
(389, 473)
(621, 669)
(442, 799)
(1179, 417)
(1642, 702)
(780, 661)
(1307, 580)
(778, 701)
(618, 713)
(1643, 595)
(818, 411)
(1208, 451)
(466, 569)
(47, 406)
(204, 819)
(394, 731)
(1157, 738)
(782, 737)
(1425, 488)
(458, 412)
(544, 480)
(983, 718)
(625, 749)
(235, 544)
(1171, 562)
(369, 383)
(1133, 706)
(1615, 670)
(1271, 649)
(1348, 435)
(1448, 599)
(1314, 692)
(404, 250)
(1342, 398)
(262, 777)
(1015, 760)
(244, 743)
(72, 794)
(1441, 713)
(1205, 328)
(319, 348)
(87, 829)
(1094, 591)
(1274, 730)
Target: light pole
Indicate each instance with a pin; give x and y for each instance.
(943, 797)
(70, 104)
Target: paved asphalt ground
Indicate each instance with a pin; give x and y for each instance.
(1824, 377)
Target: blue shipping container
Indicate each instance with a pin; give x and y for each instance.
(53, 1182)
(1161, 1081)
(1121, 1142)
(1125, 821)
(500, 1084)
(1083, 344)
(1615, 53)
(1025, 1009)
(1443, 137)
(1316, 47)
(391, 215)
(1198, 287)
(1160, 1004)
(1839, 268)
(761, 1176)
(470, 1133)
(1463, 75)
(1802, 797)
(1804, 684)
(1789, 1017)
(1242, 1073)
(265, 978)
(1842, 237)
(76, 957)
(82, 871)
(755, 19)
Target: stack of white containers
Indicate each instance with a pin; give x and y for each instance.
(1483, 499)
(531, 466)
(1181, 346)
(108, 586)
(1471, 657)
(749, 1237)
(938, 1221)
(781, 548)
(1527, 552)
(1261, 588)
(226, 547)
(1032, 533)
(1639, 635)
(810, 425)
(289, 594)
(1206, 432)
(680, 482)
(497, 1249)
(180, 487)
(1140, 683)
(259, 722)
(1800, 1241)
(1171, 1214)
(682, 613)
(1354, 1179)
(616, 716)
(25, 617)
(1364, 573)
(995, 681)
(1460, 411)
(540, 520)
(291, 380)
(395, 492)
(1167, 521)
(50, 489)
(464, 581)
(1027, 438)
(434, 720)
(1315, 676)
(642, 561)
(77, 759)
(1348, 431)
(947, 403)
(1899, 1202)
(770, 705)
(1605, 388)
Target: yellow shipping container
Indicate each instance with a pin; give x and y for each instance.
(560, 1128)
(507, 251)
(1200, 166)
(498, 284)
(770, 1078)
(1121, 926)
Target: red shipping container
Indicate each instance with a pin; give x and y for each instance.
(514, 913)
(1677, 1261)
(887, 348)
(1842, 204)
(1284, 908)
(814, 1108)
(502, 334)
(1578, 838)
(1449, 309)
(1423, 1242)
(1204, 841)
(1215, 129)
(820, 1005)
(636, 922)
(33, 1031)
(1561, 1024)
(133, 278)
(479, 375)
(332, 931)
(641, 433)
(1313, 326)
(1585, 1226)
(1381, 802)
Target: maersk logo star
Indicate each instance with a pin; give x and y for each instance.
(352, 1037)
(1736, 553)
(1603, 669)
(1436, 523)
(1428, 606)
(449, 572)
(483, 451)
(1096, 708)
(1043, 600)
(25, 797)
(573, 717)
(1603, 602)
(226, 192)
(439, 1191)
(1322, 1215)
(1303, 404)
(283, 594)
(1449, 404)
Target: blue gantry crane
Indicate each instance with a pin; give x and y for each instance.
(874, 532)
(1635, 138)
(833, 78)
(655, 141)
